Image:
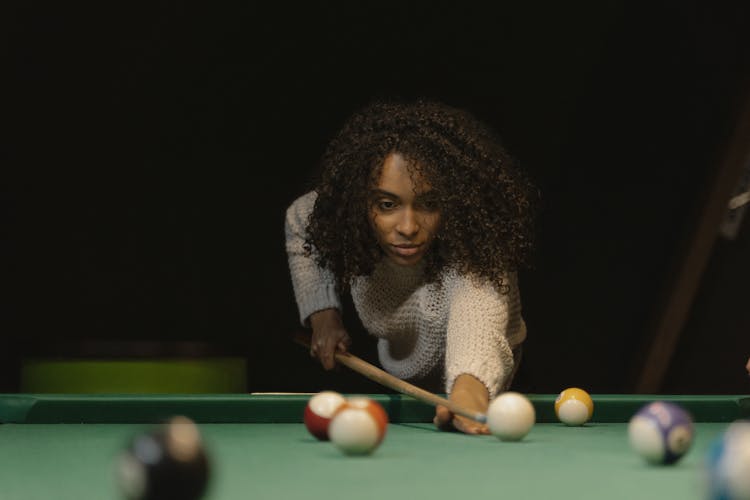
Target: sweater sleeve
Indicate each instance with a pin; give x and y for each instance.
(483, 328)
(314, 287)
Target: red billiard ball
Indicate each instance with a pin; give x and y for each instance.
(358, 426)
(319, 410)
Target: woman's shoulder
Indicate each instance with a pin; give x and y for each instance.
(303, 205)
(307, 199)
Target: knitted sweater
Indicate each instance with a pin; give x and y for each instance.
(460, 324)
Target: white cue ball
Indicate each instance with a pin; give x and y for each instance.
(510, 416)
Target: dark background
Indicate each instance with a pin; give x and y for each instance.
(150, 155)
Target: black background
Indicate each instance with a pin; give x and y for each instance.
(151, 154)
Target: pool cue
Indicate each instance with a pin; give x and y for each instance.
(384, 378)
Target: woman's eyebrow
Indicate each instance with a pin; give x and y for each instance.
(382, 192)
(375, 192)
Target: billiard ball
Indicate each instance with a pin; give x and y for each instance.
(661, 432)
(574, 406)
(168, 462)
(728, 463)
(319, 410)
(358, 426)
(510, 416)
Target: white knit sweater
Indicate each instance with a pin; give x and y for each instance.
(461, 322)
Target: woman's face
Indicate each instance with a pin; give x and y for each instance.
(402, 212)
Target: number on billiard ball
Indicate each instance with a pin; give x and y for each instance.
(661, 432)
(166, 463)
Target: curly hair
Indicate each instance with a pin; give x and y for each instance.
(486, 203)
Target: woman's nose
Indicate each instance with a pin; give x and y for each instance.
(408, 225)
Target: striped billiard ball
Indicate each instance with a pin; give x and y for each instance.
(358, 426)
(661, 432)
(574, 406)
(319, 410)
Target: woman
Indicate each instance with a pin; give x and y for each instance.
(424, 218)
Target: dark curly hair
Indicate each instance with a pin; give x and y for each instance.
(486, 203)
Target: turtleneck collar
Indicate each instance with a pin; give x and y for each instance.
(405, 272)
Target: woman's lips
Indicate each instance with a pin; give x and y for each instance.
(406, 250)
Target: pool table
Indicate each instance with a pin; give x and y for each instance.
(63, 447)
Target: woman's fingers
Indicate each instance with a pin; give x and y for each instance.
(326, 342)
(447, 421)
(469, 426)
(443, 418)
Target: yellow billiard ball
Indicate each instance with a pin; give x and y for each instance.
(574, 406)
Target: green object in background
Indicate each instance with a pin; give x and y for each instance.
(130, 376)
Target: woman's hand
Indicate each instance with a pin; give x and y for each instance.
(328, 336)
(468, 392)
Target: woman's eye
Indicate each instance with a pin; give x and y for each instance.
(429, 204)
(386, 205)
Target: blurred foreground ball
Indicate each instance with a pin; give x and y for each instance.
(661, 432)
(358, 426)
(728, 464)
(319, 411)
(166, 463)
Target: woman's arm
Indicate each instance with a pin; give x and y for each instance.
(314, 288)
(483, 328)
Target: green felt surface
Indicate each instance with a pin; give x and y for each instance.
(64, 447)
(281, 461)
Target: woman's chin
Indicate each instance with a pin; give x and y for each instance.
(401, 260)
